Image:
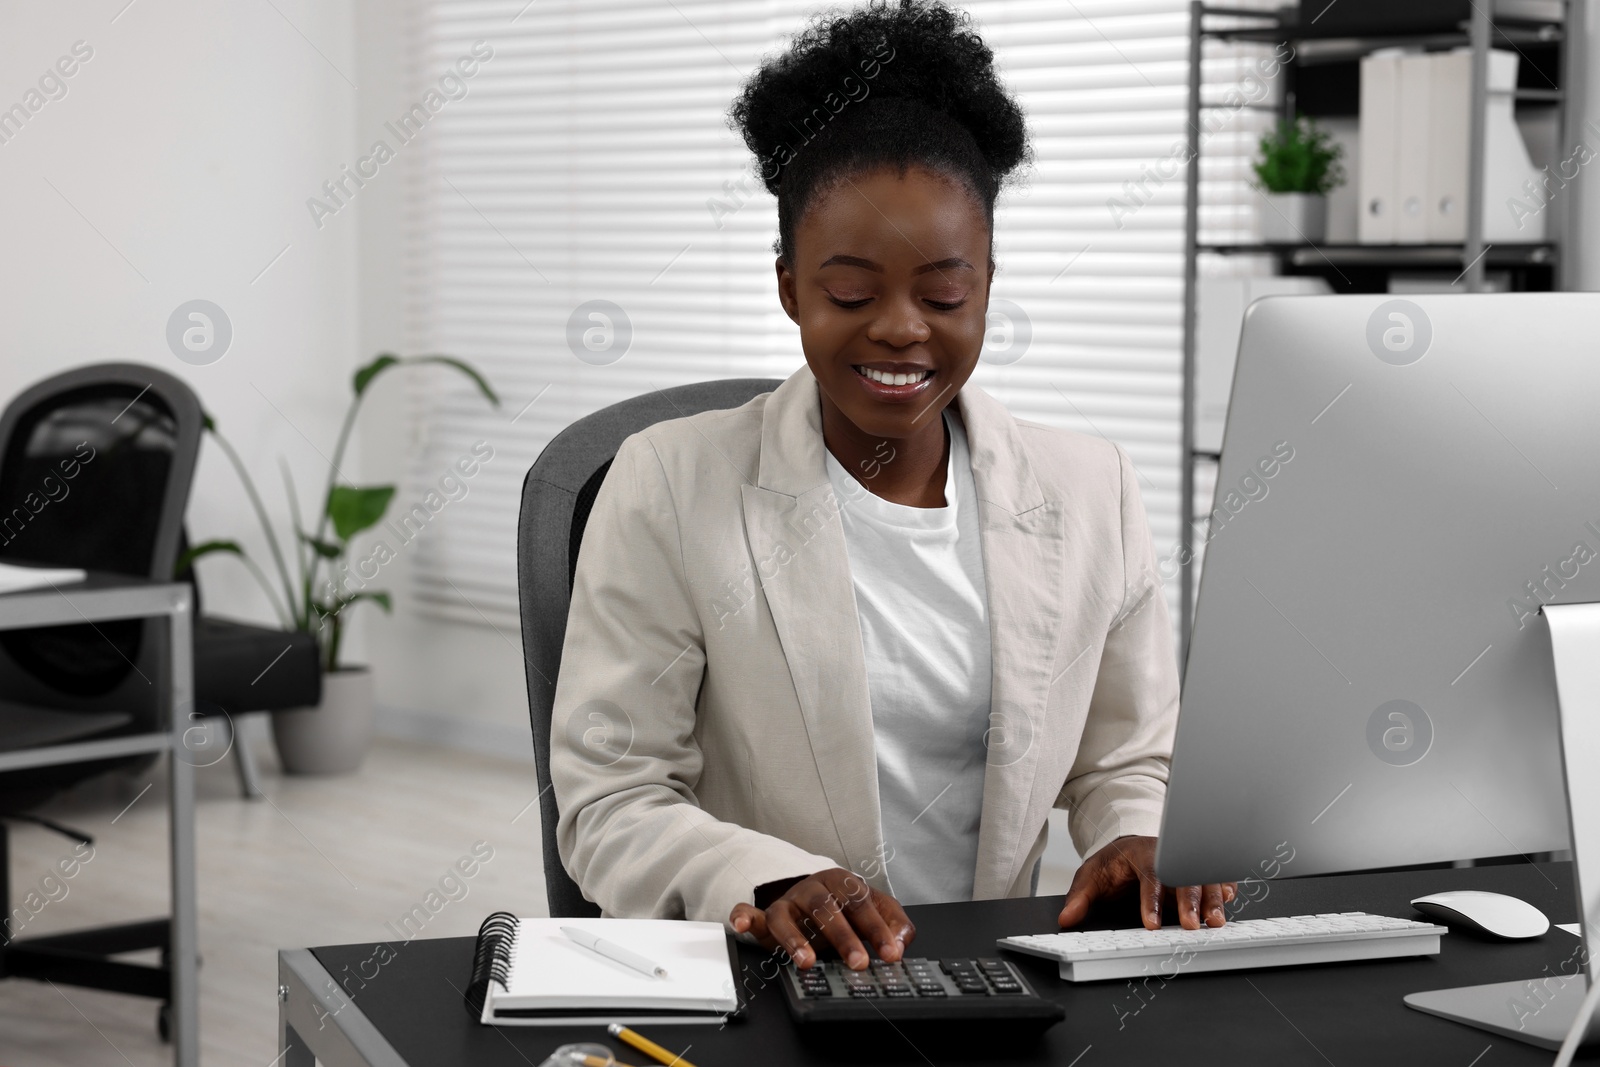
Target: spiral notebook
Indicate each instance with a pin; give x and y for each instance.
(526, 972)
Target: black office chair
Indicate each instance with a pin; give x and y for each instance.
(240, 668)
(95, 466)
(557, 494)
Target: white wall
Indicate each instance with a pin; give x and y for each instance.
(177, 167)
(190, 141)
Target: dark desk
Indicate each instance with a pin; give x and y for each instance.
(411, 1013)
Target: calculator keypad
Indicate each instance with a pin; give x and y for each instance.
(910, 979)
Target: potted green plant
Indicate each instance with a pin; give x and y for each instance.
(1299, 165)
(333, 736)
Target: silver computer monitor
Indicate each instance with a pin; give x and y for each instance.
(1403, 482)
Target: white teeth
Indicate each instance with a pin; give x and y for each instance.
(893, 379)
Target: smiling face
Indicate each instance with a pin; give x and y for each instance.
(889, 287)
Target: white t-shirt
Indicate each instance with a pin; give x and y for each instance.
(919, 591)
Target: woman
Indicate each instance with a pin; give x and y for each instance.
(862, 633)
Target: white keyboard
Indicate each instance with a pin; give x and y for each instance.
(1097, 955)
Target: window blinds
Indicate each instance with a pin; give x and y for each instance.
(589, 160)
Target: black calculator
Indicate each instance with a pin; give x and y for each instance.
(928, 990)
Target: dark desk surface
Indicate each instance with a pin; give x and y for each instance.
(1340, 1014)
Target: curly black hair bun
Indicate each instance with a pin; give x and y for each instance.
(881, 85)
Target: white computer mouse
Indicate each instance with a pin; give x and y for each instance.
(1489, 913)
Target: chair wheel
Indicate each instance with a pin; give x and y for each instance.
(164, 1023)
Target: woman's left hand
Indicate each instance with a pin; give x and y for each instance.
(1131, 861)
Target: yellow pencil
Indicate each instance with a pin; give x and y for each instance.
(648, 1047)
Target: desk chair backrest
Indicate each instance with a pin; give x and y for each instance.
(557, 494)
(95, 469)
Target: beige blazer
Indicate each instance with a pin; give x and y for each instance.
(712, 729)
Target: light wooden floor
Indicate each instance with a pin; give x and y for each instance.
(320, 861)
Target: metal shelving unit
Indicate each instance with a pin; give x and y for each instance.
(1532, 265)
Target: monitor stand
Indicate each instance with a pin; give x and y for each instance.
(1540, 1011)
(1544, 1011)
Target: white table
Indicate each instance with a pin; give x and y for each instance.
(104, 597)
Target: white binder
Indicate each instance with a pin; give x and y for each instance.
(1415, 136)
(1449, 137)
(1413, 144)
(1377, 140)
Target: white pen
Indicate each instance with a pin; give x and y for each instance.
(613, 951)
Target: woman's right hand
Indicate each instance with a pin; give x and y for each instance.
(837, 905)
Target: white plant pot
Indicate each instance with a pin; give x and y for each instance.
(1294, 218)
(332, 737)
